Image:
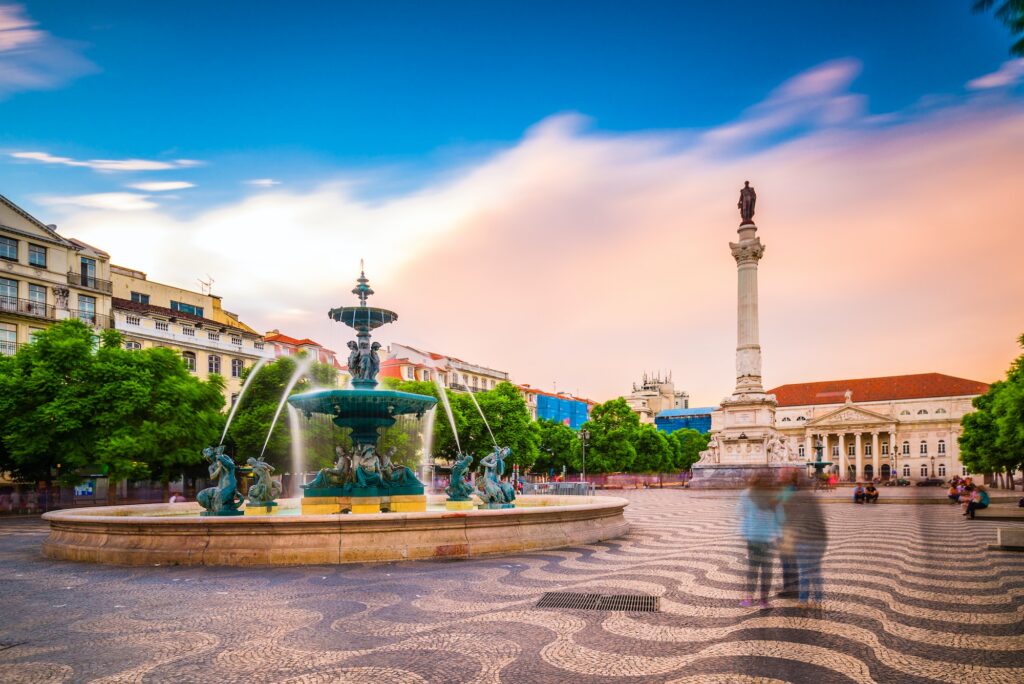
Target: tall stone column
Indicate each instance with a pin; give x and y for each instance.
(859, 456)
(747, 252)
(875, 456)
(843, 464)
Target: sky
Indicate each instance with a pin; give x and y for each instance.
(547, 188)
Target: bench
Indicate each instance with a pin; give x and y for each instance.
(1000, 512)
(1009, 539)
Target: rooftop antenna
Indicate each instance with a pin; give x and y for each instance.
(206, 286)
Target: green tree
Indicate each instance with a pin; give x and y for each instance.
(255, 414)
(653, 452)
(509, 420)
(613, 432)
(1011, 13)
(443, 443)
(687, 444)
(70, 402)
(992, 440)
(559, 447)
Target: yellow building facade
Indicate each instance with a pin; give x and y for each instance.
(209, 338)
(45, 278)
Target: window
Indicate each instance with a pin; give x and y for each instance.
(234, 398)
(885, 448)
(799, 418)
(407, 372)
(161, 325)
(37, 256)
(904, 413)
(867, 449)
(8, 249)
(906, 471)
(87, 277)
(236, 340)
(33, 333)
(906, 448)
(133, 320)
(215, 336)
(924, 470)
(8, 339)
(190, 360)
(37, 299)
(213, 363)
(140, 298)
(800, 450)
(188, 330)
(851, 449)
(922, 412)
(258, 345)
(835, 450)
(186, 308)
(8, 294)
(964, 469)
(942, 470)
(87, 308)
(236, 367)
(940, 410)
(787, 419)
(942, 446)
(426, 376)
(923, 449)
(132, 344)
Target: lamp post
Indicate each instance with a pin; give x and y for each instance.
(584, 435)
(932, 459)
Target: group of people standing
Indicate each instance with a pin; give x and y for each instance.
(780, 517)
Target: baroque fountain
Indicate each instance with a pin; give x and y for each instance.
(365, 508)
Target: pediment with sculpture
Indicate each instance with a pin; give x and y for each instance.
(845, 415)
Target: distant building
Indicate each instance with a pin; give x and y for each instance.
(652, 395)
(408, 363)
(47, 278)
(561, 408)
(209, 338)
(698, 419)
(284, 345)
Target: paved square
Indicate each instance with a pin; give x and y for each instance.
(912, 595)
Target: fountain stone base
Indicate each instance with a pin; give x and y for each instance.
(385, 502)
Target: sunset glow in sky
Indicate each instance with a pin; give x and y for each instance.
(548, 191)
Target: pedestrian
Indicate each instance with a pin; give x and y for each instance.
(978, 501)
(760, 527)
(858, 493)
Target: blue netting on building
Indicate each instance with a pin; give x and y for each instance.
(698, 419)
(561, 409)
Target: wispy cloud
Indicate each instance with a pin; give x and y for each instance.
(263, 182)
(109, 201)
(32, 59)
(162, 186)
(108, 164)
(1009, 73)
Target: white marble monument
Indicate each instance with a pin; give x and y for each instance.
(743, 436)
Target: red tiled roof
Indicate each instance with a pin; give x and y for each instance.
(279, 337)
(129, 305)
(891, 388)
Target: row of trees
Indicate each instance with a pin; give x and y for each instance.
(993, 436)
(71, 404)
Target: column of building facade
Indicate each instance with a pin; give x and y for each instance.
(875, 456)
(843, 462)
(858, 456)
(808, 447)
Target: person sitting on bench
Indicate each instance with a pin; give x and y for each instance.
(870, 494)
(978, 501)
(858, 493)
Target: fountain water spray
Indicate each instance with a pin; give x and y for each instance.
(427, 446)
(298, 446)
(448, 409)
(238, 399)
(481, 412)
(301, 366)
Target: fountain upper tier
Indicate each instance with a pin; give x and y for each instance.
(362, 317)
(362, 410)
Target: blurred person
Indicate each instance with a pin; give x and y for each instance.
(787, 542)
(761, 527)
(979, 500)
(858, 493)
(809, 531)
(870, 493)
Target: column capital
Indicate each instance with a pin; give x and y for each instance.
(746, 251)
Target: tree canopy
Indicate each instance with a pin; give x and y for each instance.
(71, 403)
(992, 440)
(1011, 13)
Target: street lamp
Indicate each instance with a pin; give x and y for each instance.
(584, 435)
(932, 459)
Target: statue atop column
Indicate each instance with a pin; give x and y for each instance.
(746, 204)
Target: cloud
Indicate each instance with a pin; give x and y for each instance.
(1009, 73)
(162, 186)
(110, 201)
(32, 59)
(263, 182)
(108, 164)
(584, 257)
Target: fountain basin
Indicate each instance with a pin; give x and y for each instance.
(174, 534)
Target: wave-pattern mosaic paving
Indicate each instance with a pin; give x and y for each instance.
(912, 595)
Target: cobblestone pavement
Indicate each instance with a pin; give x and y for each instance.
(912, 595)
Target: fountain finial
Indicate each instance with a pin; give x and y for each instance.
(362, 290)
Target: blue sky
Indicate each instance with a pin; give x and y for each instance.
(261, 89)
(525, 173)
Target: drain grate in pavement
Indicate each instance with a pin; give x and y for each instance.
(574, 601)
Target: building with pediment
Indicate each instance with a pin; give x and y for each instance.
(874, 427)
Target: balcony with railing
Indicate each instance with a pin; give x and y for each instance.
(94, 319)
(90, 282)
(8, 348)
(28, 307)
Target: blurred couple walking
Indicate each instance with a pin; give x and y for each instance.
(783, 518)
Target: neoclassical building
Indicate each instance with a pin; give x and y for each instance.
(873, 427)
